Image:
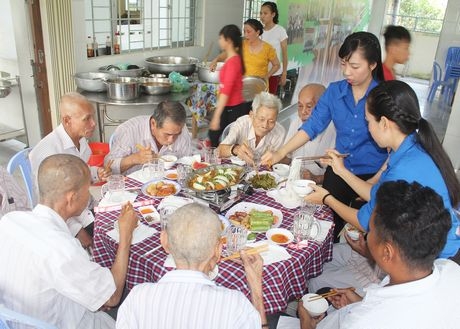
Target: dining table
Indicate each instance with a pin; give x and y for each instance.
(283, 281)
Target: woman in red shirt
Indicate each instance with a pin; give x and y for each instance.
(230, 104)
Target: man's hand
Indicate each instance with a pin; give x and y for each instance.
(269, 158)
(127, 221)
(245, 153)
(344, 297)
(144, 155)
(306, 320)
(360, 245)
(85, 239)
(103, 173)
(253, 267)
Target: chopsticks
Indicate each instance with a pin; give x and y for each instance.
(318, 157)
(108, 165)
(328, 294)
(252, 251)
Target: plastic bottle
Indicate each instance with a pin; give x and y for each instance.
(116, 45)
(108, 46)
(95, 47)
(89, 48)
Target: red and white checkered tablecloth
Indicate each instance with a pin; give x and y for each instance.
(282, 281)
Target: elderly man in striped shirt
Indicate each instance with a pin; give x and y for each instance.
(186, 297)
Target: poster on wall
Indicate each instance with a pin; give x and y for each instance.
(316, 30)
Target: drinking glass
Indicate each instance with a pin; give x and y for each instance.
(304, 221)
(114, 188)
(153, 170)
(211, 156)
(165, 213)
(182, 173)
(236, 239)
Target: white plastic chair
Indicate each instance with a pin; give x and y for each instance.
(21, 160)
(8, 317)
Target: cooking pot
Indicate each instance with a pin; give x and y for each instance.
(122, 88)
(92, 81)
(133, 72)
(206, 75)
(168, 64)
(252, 86)
(155, 86)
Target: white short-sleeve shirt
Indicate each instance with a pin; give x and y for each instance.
(45, 273)
(274, 37)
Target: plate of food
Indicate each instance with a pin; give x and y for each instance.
(215, 178)
(263, 180)
(160, 188)
(149, 213)
(255, 217)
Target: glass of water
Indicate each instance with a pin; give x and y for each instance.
(236, 239)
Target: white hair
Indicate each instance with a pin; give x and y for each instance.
(193, 233)
(267, 100)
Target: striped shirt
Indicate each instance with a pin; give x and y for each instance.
(137, 131)
(186, 299)
(45, 273)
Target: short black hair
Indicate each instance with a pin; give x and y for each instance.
(173, 111)
(414, 218)
(396, 33)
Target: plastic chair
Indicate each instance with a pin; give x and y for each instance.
(437, 76)
(111, 141)
(21, 160)
(9, 316)
(453, 56)
(225, 132)
(452, 76)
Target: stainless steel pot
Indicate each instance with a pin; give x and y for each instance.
(5, 88)
(122, 88)
(168, 64)
(155, 86)
(206, 75)
(115, 70)
(92, 81)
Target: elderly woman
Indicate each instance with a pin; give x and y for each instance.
(252, 135)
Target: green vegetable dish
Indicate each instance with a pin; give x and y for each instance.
(264, 181)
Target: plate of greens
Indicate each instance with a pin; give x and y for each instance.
(263, 180)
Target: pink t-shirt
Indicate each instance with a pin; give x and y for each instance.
(231, 81)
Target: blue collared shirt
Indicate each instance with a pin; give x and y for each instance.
(338, 104)
(410, 162)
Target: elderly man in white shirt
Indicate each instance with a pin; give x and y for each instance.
(70, 137)
(45, 272)
(140, 139)
(187, 297)
(408, 230)
(250, 136)
(307, 99)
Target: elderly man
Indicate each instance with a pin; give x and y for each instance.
(186, 297)
(307, 99)
(407, 232)
(70, 137)
(140, 139)
(45, 273)
(252, 135)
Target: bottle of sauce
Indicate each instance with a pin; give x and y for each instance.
(89, 48)
(108, 46)
(95, 47)
(116, 45)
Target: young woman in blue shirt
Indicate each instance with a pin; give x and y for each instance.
(343, 103)
(395, 122)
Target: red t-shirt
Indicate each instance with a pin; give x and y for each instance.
(387, 73)
(231, 81)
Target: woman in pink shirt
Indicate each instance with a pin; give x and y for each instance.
(230, 104)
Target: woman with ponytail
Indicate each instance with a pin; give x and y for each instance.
(230, 104)
(416, 155)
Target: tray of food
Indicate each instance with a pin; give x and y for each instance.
(160, 188)
(255, 217)
(263, 180)
(215, 178)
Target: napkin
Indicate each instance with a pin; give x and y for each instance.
(174, 201)
(139, 176)
(116, 198)
(274, 253)
(325, 227)
(283, 197)
(288, 322)
(141, 232)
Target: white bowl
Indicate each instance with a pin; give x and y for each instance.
(301, 186)
(281, 169)
(282, 231)
(315, 307)
(352, 231)
(169, 160)
(237, 161)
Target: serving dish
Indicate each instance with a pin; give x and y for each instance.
(247, 207)
(168, 64)
(148, 189)
(215, 177)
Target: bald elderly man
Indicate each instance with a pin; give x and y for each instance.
(70, 137)
(45, 272)
(307, 99)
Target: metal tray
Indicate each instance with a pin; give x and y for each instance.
(201, 171)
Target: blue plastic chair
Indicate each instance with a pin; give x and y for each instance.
(453, 56)
(21, 160)
(9, 316)
(437, 81)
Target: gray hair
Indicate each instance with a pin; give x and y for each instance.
(193, 232)
(173, 111)
(59, 174)
(267, 100)
(70, 102)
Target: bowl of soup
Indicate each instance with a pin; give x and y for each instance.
(279, 236)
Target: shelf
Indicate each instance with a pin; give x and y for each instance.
(7, 132)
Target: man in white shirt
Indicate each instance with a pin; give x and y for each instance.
(186, 297)
(408, 230)
(307, 99)
(250, 136)
(140, 139)
(70, 137)
(45, 272)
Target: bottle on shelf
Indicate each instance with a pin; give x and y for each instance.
(108, 46)
(95, 47)
(116, 45)
(89, 48)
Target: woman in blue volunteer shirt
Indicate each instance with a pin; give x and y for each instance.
(395, 122)
(343, 103)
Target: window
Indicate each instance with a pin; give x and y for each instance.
(144, 24)
(252, 9)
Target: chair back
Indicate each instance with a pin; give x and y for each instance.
(453, 56)
(21, 160)
(225, 132)
(437, 71)
(8, 316)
